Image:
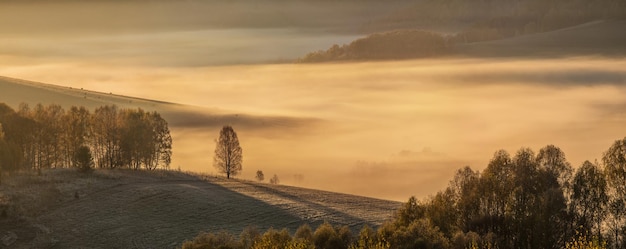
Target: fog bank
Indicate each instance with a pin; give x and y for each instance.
(386, 129)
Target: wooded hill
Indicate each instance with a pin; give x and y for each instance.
(435, 28)
(402, 44)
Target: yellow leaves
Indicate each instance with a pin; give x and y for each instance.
(582, 242)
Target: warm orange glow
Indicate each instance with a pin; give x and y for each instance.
(386, 129)
(382, 129)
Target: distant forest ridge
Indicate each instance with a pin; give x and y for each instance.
(423, 30)
(401, 44)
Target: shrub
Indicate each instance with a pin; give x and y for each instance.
(304, 233)
(273, 239)
(419, 234)
(368, 240)
(325, 237)
(249, 236)
(345, 234)
(221, 240)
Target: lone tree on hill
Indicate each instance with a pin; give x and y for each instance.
(228, 154)
(260, 176)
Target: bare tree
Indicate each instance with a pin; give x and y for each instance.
(106, 132)
(228, 154)
(75, 132)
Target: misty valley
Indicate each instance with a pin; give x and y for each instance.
(312, 124)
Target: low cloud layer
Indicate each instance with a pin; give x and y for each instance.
(317, 121)
(311, 124)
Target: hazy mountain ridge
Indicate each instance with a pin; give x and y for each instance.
(172, 32)
(460, 22)
(401, 44)
(93, 17)
(598, 38)
(510, 17)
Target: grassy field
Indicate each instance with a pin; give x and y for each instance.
(161, 209)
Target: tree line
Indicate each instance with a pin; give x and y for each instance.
(525, 200)
(528, 200)
(44, 137)
(399, 44)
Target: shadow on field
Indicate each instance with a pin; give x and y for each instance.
(149, 213)
(323, 212)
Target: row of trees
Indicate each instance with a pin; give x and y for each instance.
(45, 137)
(528, 200)
(524, 201)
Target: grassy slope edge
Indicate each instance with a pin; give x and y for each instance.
(160, 209)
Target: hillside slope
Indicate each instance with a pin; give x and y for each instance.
(16, 91)
(599, 38)
(134, 209)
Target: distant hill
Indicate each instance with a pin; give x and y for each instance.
(456, 23)
(401, 44)
(600, 38)
(507, 17)
(597, 38)
(161, 209)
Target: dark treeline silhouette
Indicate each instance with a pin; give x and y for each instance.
(472, 21)
(46, 137)
(525, 200)
(401, 44)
